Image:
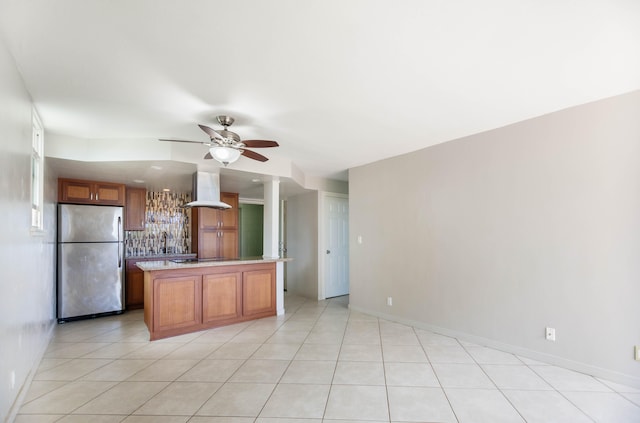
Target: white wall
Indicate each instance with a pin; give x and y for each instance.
(27, 288)
(302, 244)
(495, 236)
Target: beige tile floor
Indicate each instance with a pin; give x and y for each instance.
(319, 362)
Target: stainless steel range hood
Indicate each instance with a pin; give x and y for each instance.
(206, 191)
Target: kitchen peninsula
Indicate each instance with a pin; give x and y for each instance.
(188, 295)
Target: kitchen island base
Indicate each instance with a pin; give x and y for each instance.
(187, 299)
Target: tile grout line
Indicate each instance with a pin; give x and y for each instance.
(493, 382)
(455, 415)
(335, 368)
(222, 384)
(83, 337)
(532, 368)
(277, 383)
(384, 370)
(178, 377)
(78, 379)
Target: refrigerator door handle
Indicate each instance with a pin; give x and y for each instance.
(119, 252)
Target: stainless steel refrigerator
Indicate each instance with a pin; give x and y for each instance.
(90, 261)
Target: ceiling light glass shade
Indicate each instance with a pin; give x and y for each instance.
(225, 155)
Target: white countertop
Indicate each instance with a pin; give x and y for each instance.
(163, 256)
(169, 264)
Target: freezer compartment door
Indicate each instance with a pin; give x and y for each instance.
(81, 223)
(90, 279)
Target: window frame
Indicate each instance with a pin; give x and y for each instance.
(37, 175)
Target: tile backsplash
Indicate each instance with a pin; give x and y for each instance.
(167, 227)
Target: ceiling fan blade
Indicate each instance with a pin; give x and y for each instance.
(187, 141)
(253, 155)
(211, 132)
(260, 143)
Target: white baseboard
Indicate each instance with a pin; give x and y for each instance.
(24, 389)
(599, 372)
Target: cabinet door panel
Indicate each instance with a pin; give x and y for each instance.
(221, 297)
(228, 244)
(178, 302)
(214, 232)
(75, 191)
(208, 218)
(258, 289)
(229, 217)
(134, 282)
(208, 244)
(78, 191)
(109, 193)
(135, 209)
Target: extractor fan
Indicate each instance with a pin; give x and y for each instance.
(226, 147)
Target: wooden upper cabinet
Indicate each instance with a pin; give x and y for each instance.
(207, 218)
(215, 232)
(228, 243)
(135, 209)
(77, 191)
(229, 218)
(205, 244)
(74, 191)
(219, 219)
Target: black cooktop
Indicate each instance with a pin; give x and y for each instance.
(198, 260)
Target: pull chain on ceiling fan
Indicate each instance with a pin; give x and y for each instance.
(226, 146)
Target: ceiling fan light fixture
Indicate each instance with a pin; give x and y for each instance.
(226, 146)
(225, 155)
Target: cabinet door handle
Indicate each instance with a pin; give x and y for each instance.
(119, 253)
(90, 196)
(97, 197)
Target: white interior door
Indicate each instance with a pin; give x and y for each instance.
(336, 263)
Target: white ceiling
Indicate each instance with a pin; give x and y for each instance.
(338, 83)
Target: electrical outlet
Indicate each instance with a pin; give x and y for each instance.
(389, 301)
(550, 334)
(637, 353)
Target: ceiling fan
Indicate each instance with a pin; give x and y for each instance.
(226, 146)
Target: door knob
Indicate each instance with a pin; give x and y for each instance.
(328, 251)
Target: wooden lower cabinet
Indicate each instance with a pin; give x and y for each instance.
(134, 280)
(184, 300)
(221, 297)
(134, 286)
(258, 293)
(179, 301)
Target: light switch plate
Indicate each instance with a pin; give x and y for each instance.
(637, 353)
